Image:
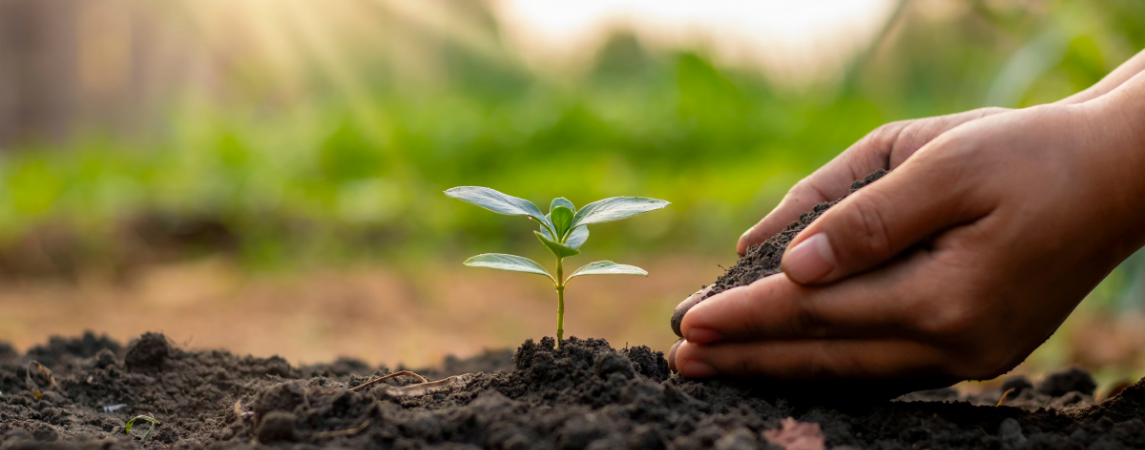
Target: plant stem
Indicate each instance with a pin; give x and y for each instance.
(560, 302)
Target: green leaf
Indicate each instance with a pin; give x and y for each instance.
(497, 202)
(545, 231)
(561, 201)
(512, 263)
(615, 208)
(561, 250)
(608, 268)
(561, 218)
(577, 236)
(127, 427)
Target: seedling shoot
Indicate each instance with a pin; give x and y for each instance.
(563, 230)
(154, 422)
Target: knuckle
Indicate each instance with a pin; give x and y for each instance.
(884, 137)
(948, 322)
(871, 240)
(835, 361)
(990, 110)
(760, 316)
(746, 366)
(809, 321)
(803, 188)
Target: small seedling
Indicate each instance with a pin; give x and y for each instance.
(563, 230)
(31, 384)
(154, 422)
(1004, 395)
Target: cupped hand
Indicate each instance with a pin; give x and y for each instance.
(955, 266)
(885, 148)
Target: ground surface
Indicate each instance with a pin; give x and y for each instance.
(377, 313)
(584, 395)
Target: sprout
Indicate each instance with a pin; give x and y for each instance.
(154, 422)
(563, 230)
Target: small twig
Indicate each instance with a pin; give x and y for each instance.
(1004, 395)
(349, 432)
(112, 408)
(392, 375)
(433, 387)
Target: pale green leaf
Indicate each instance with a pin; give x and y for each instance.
(497, 202)
(561, 201)
(545, 232)
(615, 208)
(608, 268)
(561, 218)
(513, 263)
(577, 237)
(558, 249)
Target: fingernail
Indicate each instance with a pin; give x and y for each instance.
(809, 261)
(702, 336)
(684, 306)
(672, 355)
(694, 298)
(697, 369)
(741, 238)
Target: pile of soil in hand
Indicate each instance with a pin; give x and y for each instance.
(585, 395)
(763, 260)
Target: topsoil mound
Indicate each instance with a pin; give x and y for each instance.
(586, 395)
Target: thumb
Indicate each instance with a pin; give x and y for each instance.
(881, 220)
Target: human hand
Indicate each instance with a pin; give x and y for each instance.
(954, 266)
(885, 148)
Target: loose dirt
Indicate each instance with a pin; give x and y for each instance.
(585, 395)
(763, 259)
(78, 393)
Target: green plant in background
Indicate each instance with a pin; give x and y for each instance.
(563, 230)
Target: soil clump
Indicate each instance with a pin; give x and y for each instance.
(763, 260)
(585, 395)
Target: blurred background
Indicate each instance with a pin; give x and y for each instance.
(266, 175)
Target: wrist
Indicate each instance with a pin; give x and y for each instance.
(1116, 137)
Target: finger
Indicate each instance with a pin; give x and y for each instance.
(923, 197)
(830, 182)
(810, 359)
(687, 304)
(672, 355)
(877, 305)
(885, 148)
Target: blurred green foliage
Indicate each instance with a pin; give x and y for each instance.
(355, 166)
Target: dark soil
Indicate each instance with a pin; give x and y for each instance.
(585, 395)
